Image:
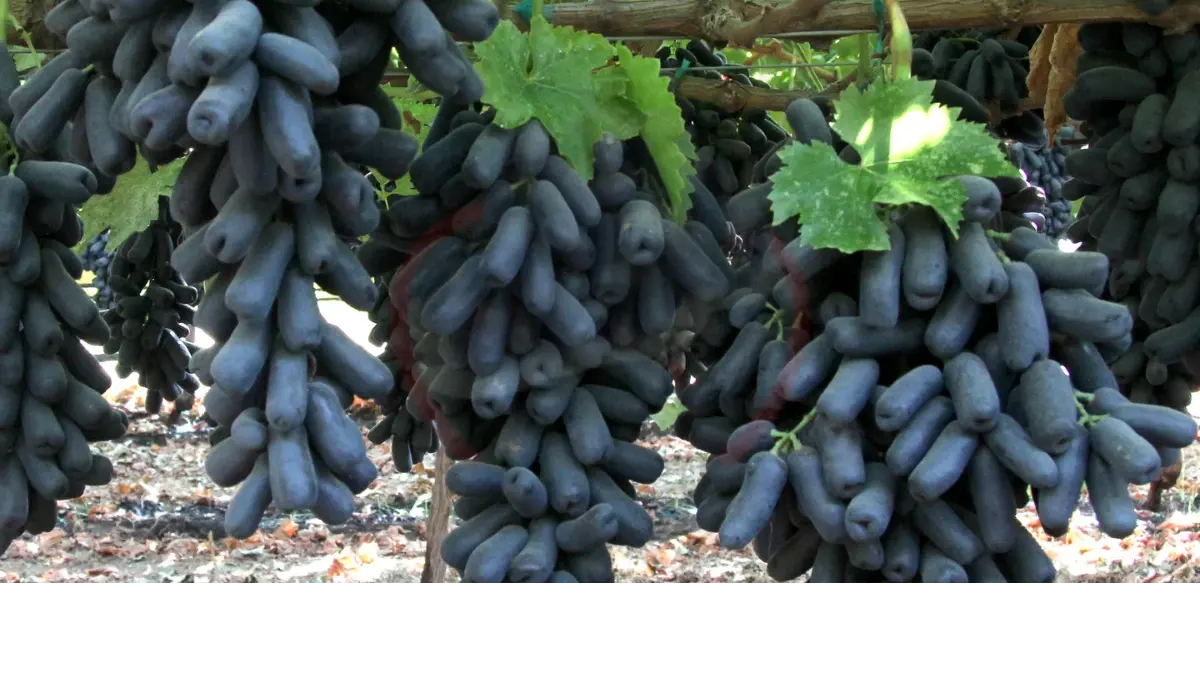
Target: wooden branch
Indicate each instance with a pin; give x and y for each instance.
(733, 97)
(726, 20)
(730, 96)
(793, 11)
(437, 525)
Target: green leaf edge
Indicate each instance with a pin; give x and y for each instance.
(661, 125)
(953, 111)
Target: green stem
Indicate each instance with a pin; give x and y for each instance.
(1084, 396)
(1085, 418)
(999, 236)
(902, 47)
(785, 442)
(26, 37)
(789, 441)
(4, 18)
(865, 51)
(775, 320)
(808, 73)
(804, 421)
(1083, 413)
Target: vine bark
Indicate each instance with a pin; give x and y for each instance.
(735, 20)
(438, 523)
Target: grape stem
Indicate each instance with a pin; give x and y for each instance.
(776, 320)
(788, 441)
(999, 236)
(865, 52)
(1085, 418)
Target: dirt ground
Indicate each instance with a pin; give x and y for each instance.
(160, 520)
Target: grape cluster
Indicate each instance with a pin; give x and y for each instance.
(97, 259)
(411, 439)
(279, 110)
(946, 383)
(975, 68)
(989, 68)
(532, 317)
(1136, 94)
(153, 309)
(51, 386)
(1045, 167)
(728, 145)
(755, 268)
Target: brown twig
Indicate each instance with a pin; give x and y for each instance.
(732, 96)
(438, 523)
(775, 49)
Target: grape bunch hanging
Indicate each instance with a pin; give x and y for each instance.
(986, 75)
(532, 317)
(947, 382)
(1045, 168)
(51, 386)
(728, 145)
(154, 308)
(1135, 92)
(382, 256)
(279, 110)
(97, 259)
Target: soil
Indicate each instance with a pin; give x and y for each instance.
(161, 520)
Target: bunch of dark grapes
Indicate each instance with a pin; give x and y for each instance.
(1045, 167)
(153, 310)
(1137, 95)
(97, 260)
(990, 67)
(728, 145)
(947, 382)
(532, 317)
(51, 403)
(975, 69)
(279, 110)
(411, 440)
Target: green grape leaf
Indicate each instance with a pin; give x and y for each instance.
(908, 145)
(549, 74)
(131, 205)
(844, 50)
(834, 200)
(662, 129)
(27, 60)
(914, 143)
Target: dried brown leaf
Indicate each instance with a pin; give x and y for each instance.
(287, 528)
(1039, 65)
(1063, 59)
